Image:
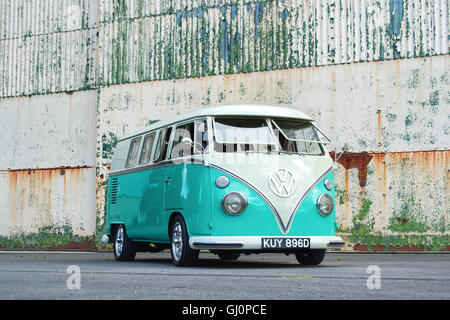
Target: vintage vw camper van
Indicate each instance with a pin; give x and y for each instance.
(233, 180)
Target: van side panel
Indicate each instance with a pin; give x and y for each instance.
(139, 205)
(113, 215)
(144, 201)
(189, 193)
(127, 209)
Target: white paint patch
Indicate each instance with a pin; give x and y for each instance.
(48, 131)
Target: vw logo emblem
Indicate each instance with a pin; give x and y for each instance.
(282, 183)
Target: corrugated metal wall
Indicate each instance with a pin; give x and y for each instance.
(47, 46)
(52, 46)
(151, 40)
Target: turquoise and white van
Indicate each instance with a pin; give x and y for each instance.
(234, 180)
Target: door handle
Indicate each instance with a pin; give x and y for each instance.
(168, 180)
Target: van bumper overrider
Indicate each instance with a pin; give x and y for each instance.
(255, 242)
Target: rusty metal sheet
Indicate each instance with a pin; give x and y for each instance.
(58, 198)
(405, 195)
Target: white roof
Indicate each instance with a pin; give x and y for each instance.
(244, 110)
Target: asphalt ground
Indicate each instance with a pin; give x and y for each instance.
(50, 275)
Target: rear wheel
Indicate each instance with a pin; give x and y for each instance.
(310, 256)
(182, 254)
(124, 249)
(229, 256)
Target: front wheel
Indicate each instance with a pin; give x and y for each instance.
(310, 256)
(182, 254)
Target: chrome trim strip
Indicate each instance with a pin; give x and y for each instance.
(157, 165)
(335, 244)
(218, 244)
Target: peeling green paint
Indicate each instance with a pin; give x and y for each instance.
(154, 41)
(434, 98)
(413, 83)
(409, 120)
(109, 142)
(391, 117)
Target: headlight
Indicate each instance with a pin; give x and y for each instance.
(325, 204)
(234, 203)
(328, 184)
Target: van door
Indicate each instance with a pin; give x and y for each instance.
(176, 173)
(187, 183)
(155, 226)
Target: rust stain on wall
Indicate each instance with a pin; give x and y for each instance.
(12, 195)
(426, 161)
(379, 128)
(379, 163)
(32, 190)
(351, 160)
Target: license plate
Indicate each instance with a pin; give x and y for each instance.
(285, 243)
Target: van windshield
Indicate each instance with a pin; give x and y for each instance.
(233, 135)
(267, 135)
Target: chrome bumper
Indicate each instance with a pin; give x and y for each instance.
(255, 242)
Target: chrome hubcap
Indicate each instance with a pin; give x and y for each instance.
(177, 241)
(119, 241)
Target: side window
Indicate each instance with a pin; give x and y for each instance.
(200, 137)
(195, 137)
(147, 148)
(180, 148)
(133, 152)
(163, 142)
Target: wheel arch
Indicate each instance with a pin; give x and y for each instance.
(173, 215)
(113, 227)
